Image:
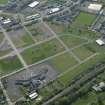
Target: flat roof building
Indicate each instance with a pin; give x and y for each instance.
(99, 87)
(95, 7)
(35, 16)
(33, 4)
(53, 10)
(6, 21)
(100, 42)
(33, 95)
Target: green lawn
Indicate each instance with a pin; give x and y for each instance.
(84, 33)
(42, 51)
(89, 49)
(57, 27)
(83, 52)
(68, 76)
(3, 1)
(79, 27)
(84, 19)
(9, 64)
(36, 31)
(27, 39)
(1, 37)
(87, 99)
(71, 41)
(90, 98)
(50, 89)
(94, 47)
(23, 40)
(3, 53)
(81, 24)
(72, 73)
(63, 62)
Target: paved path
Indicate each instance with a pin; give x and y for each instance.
(13, 46)
(83, 79)
(22, 23)
(71, 68)
(57, 37)
(5, 93)
(39, 62)
(36, 44)
(12, 53)
(3, 41)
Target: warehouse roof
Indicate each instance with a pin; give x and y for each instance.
(53, 10)
(96, 7)
(100, 42)
(33, 4)
(33, 95)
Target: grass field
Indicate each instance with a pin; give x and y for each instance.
(3, 1)
(87, 99)
(42, 51)
(63, 62)
(72, 73)
(50, 89)
(3, 53)
(57, 28)
(74, 36)
(84, 19)
(83, 52)
(81, 24)
(9, 65)
(72, 41)
(94, 47)
(1, 37)
(36, 32)
(90, 98)
(39, 32)
(21, 39)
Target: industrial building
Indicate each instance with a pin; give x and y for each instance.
(99, 87)
(33, 4)
(101, 41)
(95, 7)
(53, 10)
(33, 95)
